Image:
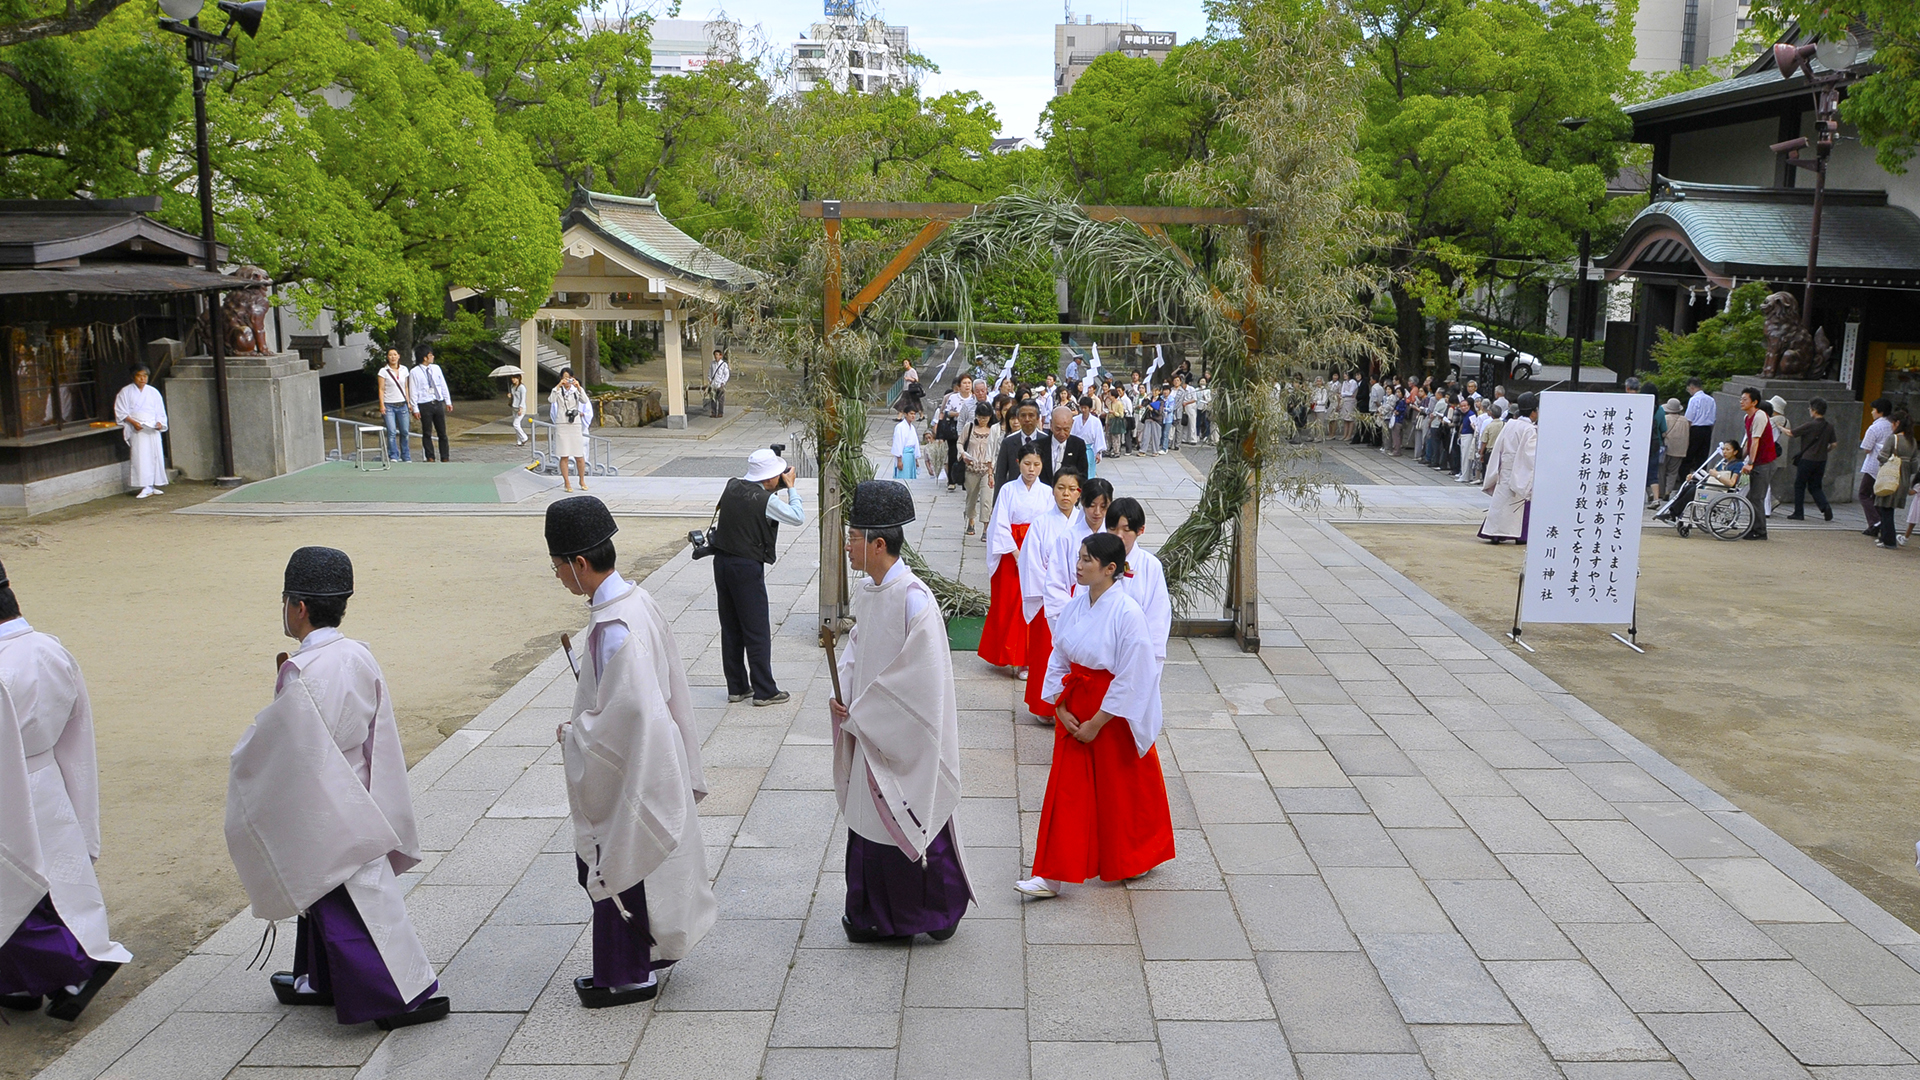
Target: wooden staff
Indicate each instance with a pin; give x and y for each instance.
(566, 643)
(278, 661)
(833, 661)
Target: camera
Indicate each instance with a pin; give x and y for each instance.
(778, 448)
(702, 542)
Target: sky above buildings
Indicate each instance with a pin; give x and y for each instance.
(1002, 49)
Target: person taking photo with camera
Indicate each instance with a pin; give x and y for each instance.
(746, 530)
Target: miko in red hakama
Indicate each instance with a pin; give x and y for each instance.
(1003, 641)
(1105, 814)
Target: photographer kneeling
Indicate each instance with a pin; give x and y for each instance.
(749, 517)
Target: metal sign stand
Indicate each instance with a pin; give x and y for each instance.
(1519, 593)
(1633, 626)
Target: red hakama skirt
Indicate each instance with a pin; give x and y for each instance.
(1039, 651)
(1106, 812)
(1004, 639)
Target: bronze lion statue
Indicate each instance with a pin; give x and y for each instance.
(1792, 353)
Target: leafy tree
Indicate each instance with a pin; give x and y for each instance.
(1465, 139)
(1886, 104)
(1127, 121)
(1731, 343)
(78, 112)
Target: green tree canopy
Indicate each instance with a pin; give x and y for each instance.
(1126, 122)
(1886, 104)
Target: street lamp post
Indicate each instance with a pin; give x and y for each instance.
(1837, 57)
(184, 19)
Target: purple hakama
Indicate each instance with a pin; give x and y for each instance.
(43, 957)
(899, 898)
(1526, 515)
(622, 947)
(333, 949)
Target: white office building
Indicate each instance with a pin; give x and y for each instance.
(849, 51)
(1076, 45)
(680, 46)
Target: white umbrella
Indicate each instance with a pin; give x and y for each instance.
(503, 371)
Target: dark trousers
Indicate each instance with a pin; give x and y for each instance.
(746, 633)
(1889, 525)
(956, 472)
(719, 407)
(1867, 481)
(433, 419)
(1759, 482)
(1810, 476)
(622, 946)
(336, 952)
(1699, 445)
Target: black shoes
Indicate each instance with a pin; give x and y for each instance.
(942, 935)
(1796, 517)
(601, 997)
(20, 1002)
(286, 989)
(434, 1008)
(64, 1006)
(774, 700)
(860, 935)
(734, 699)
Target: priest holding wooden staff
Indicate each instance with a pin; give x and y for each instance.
(896, 738)
(320, 819)
(632, 758)
(51, 912)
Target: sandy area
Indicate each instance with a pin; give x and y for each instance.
(1781, 674)
(175, 620)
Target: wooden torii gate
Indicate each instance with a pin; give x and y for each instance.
(1242, 621)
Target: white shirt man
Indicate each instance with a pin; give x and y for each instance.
(428, 384)
(1701, 410)
(142, 415)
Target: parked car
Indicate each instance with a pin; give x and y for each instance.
(1468, 346)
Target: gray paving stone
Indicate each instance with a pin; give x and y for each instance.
(445, 916)
(1369, 755)
(963, 1044)
(1322, 800)
(1093, 914)
(807, 1063)
(982, 966)
(1853, 964)
(1457, 773)
(540, 792)
(1569, 751)
(841, 997)
(1436, 979)
(1621, 852)
(1809, 1019)
(1570, 890)
(1700, 922)
(767, 883)
(1233, 798)
(1385, 900)
(495, 851)
(1332, 1003)
(1225, 1051)
(1724, 1046)
(1207, 990)
(1684, 832)
(1501, 921)
(712, 1046)
(1108, 1061)
(1206, 750)
(1574, 1013)
(552, 1072)
(1558, 794)
(1900, 1021)
(1649, 972)
(1623, 1070)
(462, 1046)
(503, 968)
(549, 892)
(1407, 802)
(490, 768)
(1340, 719)
(1508, 750)
(1757, 889)
(1264, 732)
(1447, 853)
(1268, 848)
(988, 823)
(1301, 769)
(314, 1037)
(1188, 926)
(1362, 1067)
(557, 1031)
(1509, 824)
(1290, 914)
(739, 966)
(1621, 781)
(1415, 730)
(1483, 1052)
(1087, 993)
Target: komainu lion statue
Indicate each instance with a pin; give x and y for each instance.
(243, 313)
(1792, 353)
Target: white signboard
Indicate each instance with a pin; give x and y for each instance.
(1589, 488)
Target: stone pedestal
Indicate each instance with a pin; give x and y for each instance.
(275, 407)
(1843, 412)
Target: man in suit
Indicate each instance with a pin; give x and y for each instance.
(1060, 448)
(1007, 466)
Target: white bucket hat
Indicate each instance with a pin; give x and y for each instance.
(764, 465)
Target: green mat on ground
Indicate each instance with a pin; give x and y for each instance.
(402, 482)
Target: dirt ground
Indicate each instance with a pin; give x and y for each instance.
(175, 620)
(1780, 674)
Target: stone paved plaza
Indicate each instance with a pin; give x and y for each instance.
(1404, 853)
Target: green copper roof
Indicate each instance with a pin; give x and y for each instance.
(1762, 233)
(638, 225)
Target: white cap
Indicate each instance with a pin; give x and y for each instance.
(764, 465)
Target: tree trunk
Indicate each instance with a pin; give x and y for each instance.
(403, 336)
(1410, 329)
(1442, 348)
(590, 354)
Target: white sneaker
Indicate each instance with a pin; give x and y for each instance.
(145, 493)
(1038, 888)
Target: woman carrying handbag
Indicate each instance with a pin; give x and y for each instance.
(1895, 477)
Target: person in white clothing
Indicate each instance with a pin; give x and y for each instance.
(517, 401)
(432, 403)
(1146, 582)
(320, 820)
(717, 378)
(906, 447)
(1046, 562)
(51, 912)
(1092, 429)
(142, 415)
(1509, 476)
(570, 411)
(396, 403)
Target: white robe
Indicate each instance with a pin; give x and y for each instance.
(1092, 431)
(1509, 478)
(896, 757)
(49, 791)
(1014, 503)
(148, 459)
(317, 798)
(1047, 564)
(1146, 583)
(632, 756)
(1110, 636)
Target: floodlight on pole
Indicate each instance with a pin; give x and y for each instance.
(182, 10)
(1837, 58)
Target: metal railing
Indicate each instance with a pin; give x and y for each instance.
(361, 430)
(547, 462)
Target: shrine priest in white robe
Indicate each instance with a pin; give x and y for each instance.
(632, 756)
(142, 415)
(52, 918)
(1510, 474)
(320, 820)
(896, 738)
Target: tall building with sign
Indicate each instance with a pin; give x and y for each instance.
(1077, 44)
(850, 52)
